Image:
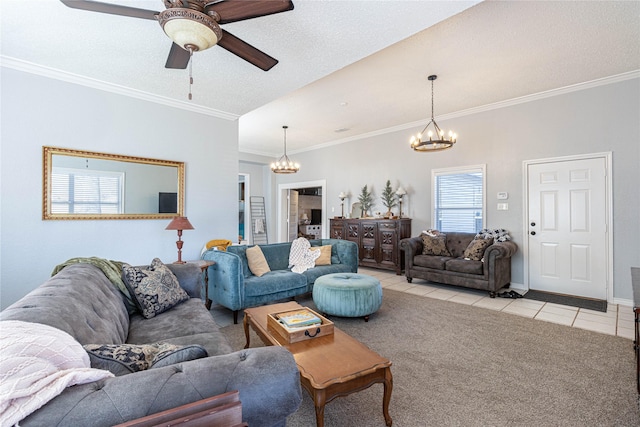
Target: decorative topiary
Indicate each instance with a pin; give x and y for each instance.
(388, 198)
(366, 201)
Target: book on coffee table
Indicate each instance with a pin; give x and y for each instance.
(299, 319)
(318, 325)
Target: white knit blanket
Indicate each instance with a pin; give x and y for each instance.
(37, 362)
(301, 257)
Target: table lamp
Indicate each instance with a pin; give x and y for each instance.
(342, 196)
(400, 192)
(179, 223)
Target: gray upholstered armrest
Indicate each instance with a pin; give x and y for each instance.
(190, 278)
(267, 379)
(411, 247)
(501, 250)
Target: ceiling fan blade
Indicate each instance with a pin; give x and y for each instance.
(247, 52)
(239, 10)
(112, 9)
(178, 57)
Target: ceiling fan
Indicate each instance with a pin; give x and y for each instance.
(194, 25)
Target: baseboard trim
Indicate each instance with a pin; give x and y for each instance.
(623, 301)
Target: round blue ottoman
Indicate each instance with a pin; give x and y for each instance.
(347, 294)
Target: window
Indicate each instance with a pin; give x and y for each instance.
(458, 199)
(86, 191)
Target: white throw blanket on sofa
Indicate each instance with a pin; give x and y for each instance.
(301, 257)
(37, 362)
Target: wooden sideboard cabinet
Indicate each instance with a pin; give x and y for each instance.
(378, 240)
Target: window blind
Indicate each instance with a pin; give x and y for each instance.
(86, 191)
(459, 200)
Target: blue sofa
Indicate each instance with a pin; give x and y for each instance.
(232, 285)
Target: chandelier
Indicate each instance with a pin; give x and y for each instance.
(436, 138)
(284, 164)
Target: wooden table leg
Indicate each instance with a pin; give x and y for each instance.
(319, 400)
(245, 323)
(388, 388)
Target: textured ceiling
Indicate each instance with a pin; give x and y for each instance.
(354, 66)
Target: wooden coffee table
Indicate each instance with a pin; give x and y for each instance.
(331, 365)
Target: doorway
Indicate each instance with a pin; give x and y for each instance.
(291, 210)
(244, 190)
(567, 228)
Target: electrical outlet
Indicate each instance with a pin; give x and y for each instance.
(503, 206)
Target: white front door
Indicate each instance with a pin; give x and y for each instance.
(567, 227)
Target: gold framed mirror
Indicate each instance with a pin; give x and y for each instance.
(91, 185)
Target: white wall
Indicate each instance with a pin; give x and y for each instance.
(39, 111)
(592, 120)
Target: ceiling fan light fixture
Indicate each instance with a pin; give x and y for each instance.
(434, 140)
(187, 27)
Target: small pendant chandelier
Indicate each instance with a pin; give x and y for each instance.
(284, 164)
(436, 138)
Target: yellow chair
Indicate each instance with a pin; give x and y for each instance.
(220, 244)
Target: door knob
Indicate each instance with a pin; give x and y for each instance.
(533, 233)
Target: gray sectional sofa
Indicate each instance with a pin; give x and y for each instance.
(234, 286)
(81, 301)
(491, 273)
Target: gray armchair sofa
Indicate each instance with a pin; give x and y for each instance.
(82, 302)
(492, 273)
(232, 285)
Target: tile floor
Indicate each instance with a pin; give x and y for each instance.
(618, 320)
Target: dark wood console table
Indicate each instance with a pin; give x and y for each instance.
(378, 240)
(635, 283)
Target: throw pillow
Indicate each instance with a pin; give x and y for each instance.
(257, 262)
(435, 245)
(498, 234)
(178, 355)
(154, 289)
(475, 250)
(122, 359)
(325, 255)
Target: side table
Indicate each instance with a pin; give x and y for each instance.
(635, 284)
(204, 267)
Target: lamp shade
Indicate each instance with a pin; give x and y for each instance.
(179, 223)
(190, 28)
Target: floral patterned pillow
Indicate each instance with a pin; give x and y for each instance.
(475, 250)
(434, 244)
(121, 359)
(154, 288)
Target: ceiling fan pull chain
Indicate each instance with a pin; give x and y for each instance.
(190, 71)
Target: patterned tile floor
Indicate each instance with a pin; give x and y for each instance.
(618, 320)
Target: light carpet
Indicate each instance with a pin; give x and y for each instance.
(459, 365)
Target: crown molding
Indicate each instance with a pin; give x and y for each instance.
(489, 107)
(29, 67)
